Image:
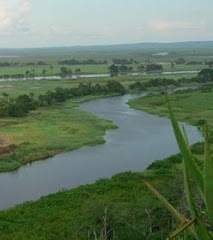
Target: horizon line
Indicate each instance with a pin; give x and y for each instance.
(106, 45)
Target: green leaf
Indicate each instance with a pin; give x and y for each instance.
(177, 214)
(188, 191)
(202, 232)
(186, 154)
(208, 176)
(172, 209)
(183, 226)
(187, 181)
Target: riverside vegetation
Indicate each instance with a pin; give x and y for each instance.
(121, 207)
(25, 117)
(200, 221)
(53, 126)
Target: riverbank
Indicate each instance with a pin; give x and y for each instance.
(137, 134)
(192, 106)
(130, 210)
(48, 131)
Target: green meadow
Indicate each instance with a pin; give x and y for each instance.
(48, 131)
(189, 106)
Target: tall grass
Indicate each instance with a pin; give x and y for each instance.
(199, 226)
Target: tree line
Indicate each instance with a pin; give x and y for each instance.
(23, 104)
(124, 61)
(204, 76)
(84, 62)
(149, 68)
(18, 64)
(156, 82)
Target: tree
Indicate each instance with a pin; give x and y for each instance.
(65, 71)
(113, 86)
(205, 75)
(77, 70)
(141, 67)
(15, 110)
(6, 96)
(44, 71)
(32, 95)
(27, 73)
(51, 69)
(180, 61)
(154, 68)
(123, 68)
(113, 70)
(60, 95)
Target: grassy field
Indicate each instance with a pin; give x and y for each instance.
(37, 70)
(15, 88)
(48, 131)
(189, 106)
(58, 125)
(86, 69)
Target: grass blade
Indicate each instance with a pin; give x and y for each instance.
(183, 226)
(186, 154)
(177, 214)
(188, 192)
(187, 181)
(208, 176)
(201, 230)
(172, 209)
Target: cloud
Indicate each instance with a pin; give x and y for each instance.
(162, 26)
(13, 15)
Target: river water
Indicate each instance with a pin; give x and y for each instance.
(140, 139)
(101, 75)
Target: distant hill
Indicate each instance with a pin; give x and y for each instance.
(145, 45)
(118, 48)
(151, 46)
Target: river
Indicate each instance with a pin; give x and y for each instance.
(101, 75)
(140, 139)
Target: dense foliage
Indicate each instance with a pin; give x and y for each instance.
(20, 106)
(124, 61)
(155, 82)
(154, 68)
(19, 64)
(117, 208)
(204, 76)
(77, 62)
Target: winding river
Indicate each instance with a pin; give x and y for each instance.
(140, 139)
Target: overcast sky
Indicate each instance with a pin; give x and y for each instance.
(42, 23)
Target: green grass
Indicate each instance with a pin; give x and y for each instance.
(85, 69)
(37, 70)
(48, 131)
(189, 106)
(183, 67)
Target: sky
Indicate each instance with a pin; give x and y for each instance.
(47, 23)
